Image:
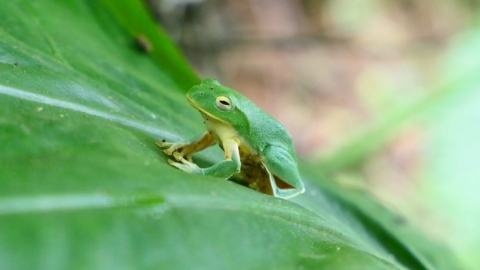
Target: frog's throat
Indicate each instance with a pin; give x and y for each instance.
(196, 106)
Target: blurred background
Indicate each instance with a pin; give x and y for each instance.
(382, 95)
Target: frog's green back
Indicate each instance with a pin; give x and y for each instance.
(275, 144)
(261, 129)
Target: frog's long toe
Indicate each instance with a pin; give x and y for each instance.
(177, 156)
(163, 144)
(185, 166)
(172, 150)
(172, 147)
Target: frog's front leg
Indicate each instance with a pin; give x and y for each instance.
(224, 169)
(180, 150)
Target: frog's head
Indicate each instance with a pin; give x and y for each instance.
(216, 100)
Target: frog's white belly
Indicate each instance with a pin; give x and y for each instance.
(225, 131)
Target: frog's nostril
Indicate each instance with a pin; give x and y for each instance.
(201, 93)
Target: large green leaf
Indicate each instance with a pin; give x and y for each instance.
(82, 185)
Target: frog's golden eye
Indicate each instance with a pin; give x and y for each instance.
(223, 103)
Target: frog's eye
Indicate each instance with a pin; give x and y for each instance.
(223, 103)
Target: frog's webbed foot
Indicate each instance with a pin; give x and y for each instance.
(177, 150)
(184, 164)
(179, 156)
(172, 147)
(181, 150)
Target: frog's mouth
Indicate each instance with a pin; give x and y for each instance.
(196, 106)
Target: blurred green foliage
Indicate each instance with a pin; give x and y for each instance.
(448, 113)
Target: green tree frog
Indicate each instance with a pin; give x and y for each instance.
(256, 146)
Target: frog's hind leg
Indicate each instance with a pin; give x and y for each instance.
(284, 177)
